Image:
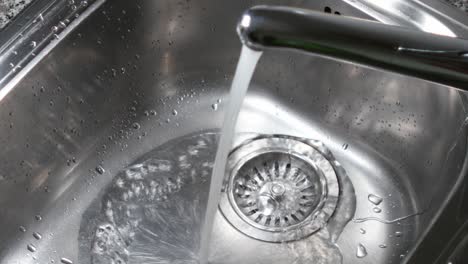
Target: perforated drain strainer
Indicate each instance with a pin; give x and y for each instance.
(279, 189)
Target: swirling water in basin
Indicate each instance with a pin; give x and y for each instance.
(151, 211)
(157, 209)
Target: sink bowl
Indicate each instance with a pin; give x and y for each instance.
(137, 86)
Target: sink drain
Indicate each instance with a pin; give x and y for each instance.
(276, 190)
(279, 189)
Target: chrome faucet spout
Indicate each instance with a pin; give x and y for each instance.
(419, 54)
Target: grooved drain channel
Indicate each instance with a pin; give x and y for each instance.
(279, 189)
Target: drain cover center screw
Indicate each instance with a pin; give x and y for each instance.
(277, 189)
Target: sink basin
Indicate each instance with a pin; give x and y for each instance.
(137, 85)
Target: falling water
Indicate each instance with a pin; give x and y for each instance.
(152, 210)
(244, 71)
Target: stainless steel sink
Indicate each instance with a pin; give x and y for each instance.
(137, 89)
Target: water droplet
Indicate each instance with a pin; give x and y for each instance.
(38, 217)
(214, 106)
(55, 29)
(33, 44)
(84, 3)
(31, 248)
(382, 246)
(22, 229)
(402, 256)
(62, 24)
(377, 210)
(398, 234)
(66, 261)
(37, 235)
(374, 199)
(39, 18)
(136, 126)
(362, 230)
(153, 112)
(100, 170)
(174, 112)
(361, 251)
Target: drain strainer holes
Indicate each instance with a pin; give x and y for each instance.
(278, 189)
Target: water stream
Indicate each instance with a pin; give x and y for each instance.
(244, 71)
(152, 213)
(153, 210)
(163, 207)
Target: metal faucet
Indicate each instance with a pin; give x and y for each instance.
(431, 57)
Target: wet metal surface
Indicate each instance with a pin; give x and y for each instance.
(136, 75)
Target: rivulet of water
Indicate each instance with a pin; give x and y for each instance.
(384, 221)
(244, 71)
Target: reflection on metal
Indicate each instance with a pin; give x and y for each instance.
(405, 13)
(441, 59)
(70, 113)
(21, 50)
(364, 42)
(279, 189)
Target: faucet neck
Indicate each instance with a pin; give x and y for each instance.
(423, 55)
